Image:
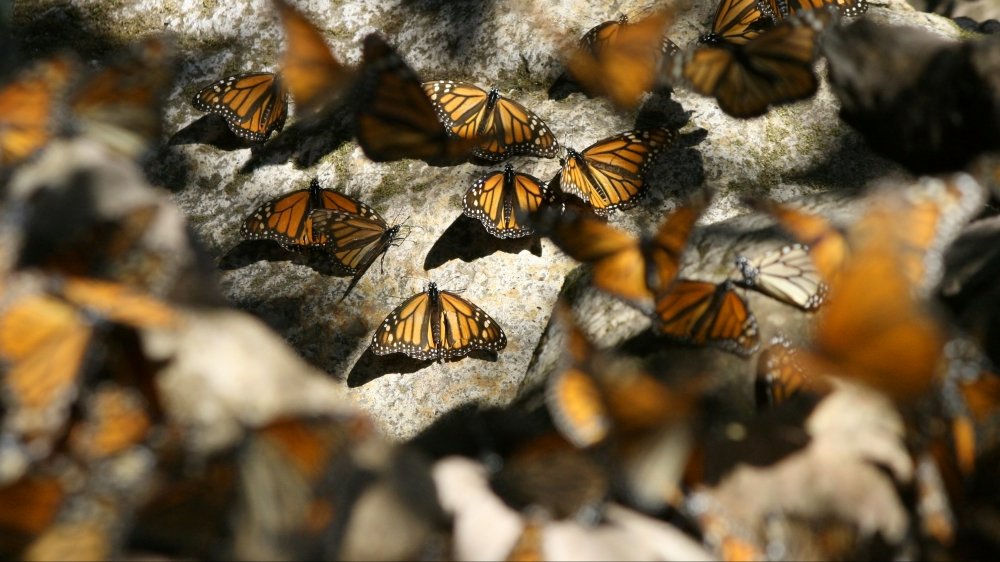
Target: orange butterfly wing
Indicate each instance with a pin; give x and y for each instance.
(499, 198)
(26, 108)
(703, 313)
(314, 75)
(254, 104)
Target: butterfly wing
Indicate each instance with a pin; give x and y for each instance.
(287, 219)
(461, 107)
(465, 327)
(847, 8)
(827, 244)
(787, 274)
(609, 173)
(703, 313)
(664, 251)
(354, 241)
(577, 407)
(396, 119)
(779, 375)
(254, 104)
(313, 74)
(738, 21)
(117, 303)
(26, 108)
(499, 198)
(408, 329)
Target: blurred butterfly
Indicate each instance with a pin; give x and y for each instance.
(44, 342)
(827, 244)
(501, 200)
(396, 119)
(27, 107)
(314, 76)
(629, 268)
(774, 67)
(738, 21)
(288, 219)
(701, 313)
(781, 9)
(121, 104)
(931, 212)
(254, 104)
(609, 173)
(114, 419)
(502, 127)
(620, 60)
(354, 240)
(437, 325)
(28, 506)
(874, 329)
(787, 274)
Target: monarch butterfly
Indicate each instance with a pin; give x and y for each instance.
(121, 104)
(26, 108)
(701, 313)
(288, 219)
(827, 244)
(781, 9)
(437, 325)
(396, 119)
(738, 21)
(114, 419)
(45, 338)
(501, 200)
(315, 77)
(933, 211)
(874, 329)
(787, 274)
(503, 127)
(620, 59)
(629, 268)
(254, 104)
(772, 68)
(609, 173)
(779, 375)
(355, 240)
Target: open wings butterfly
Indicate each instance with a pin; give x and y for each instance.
(502, 200)
(633, 269)
(395, 119)
(254, 104)
(437, 324)
(503, 127)
(738, 21)
(787, 274)
(701, 313)
(609, 173)
(288, 219)
(354, 240)
(772, 68)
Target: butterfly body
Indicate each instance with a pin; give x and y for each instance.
(437, 325)
(504, 127)
(499, 198)
(254, 104)
(609, 174)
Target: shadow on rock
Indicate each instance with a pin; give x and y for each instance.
(467, 240)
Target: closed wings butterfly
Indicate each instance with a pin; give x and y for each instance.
(702, 313)
(437, 325)
(620, 59)
(738, 21)
(775, 67)
(609, 174)
(787, 274)
(254, 104)
(314, 76)
(354, 240)
(503, 127)
(630, 268)
(395, 119)
(27, 108)
(288, 219)
(501, 201)
(779, 375)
